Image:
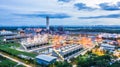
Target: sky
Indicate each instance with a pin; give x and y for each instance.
(61, 12)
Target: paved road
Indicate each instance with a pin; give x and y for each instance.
(15, 60)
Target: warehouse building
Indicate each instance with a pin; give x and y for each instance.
(45, 59)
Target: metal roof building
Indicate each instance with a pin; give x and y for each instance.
(67, 52)
(45, 59)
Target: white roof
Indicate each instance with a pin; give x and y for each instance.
(107, 45)
(46, 57)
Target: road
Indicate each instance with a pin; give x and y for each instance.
(26, 65)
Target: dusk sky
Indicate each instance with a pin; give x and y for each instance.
(61, 12)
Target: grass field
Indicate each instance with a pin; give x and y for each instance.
(4, 62)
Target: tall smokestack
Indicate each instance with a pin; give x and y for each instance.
(47, 23)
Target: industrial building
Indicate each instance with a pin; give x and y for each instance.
(34, 42)
(6, 33)
(109, 36)
(67, 52)
(45, 59)
(107, 47)
(13, 38)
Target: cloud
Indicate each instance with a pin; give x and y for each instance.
(64, 0)
(104, 16)
(26, 12)
(110, 7)
(82, 6)
(118, 3)
(44, 15)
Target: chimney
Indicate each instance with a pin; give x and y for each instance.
(47, 23)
